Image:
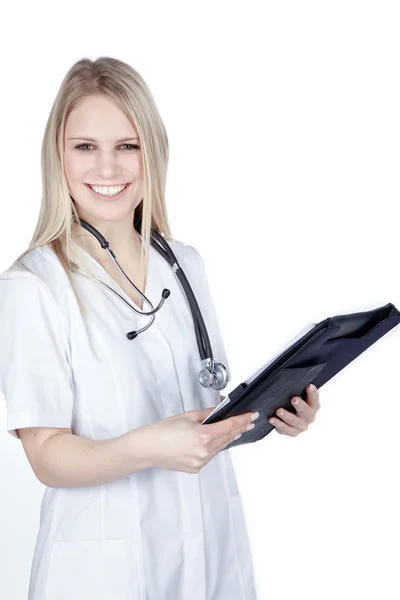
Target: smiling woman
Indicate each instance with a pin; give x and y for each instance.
(112, 426)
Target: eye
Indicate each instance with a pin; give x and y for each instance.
(131, 146)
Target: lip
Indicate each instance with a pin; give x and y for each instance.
(109, 198)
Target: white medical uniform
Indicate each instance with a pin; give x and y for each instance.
(158, 534)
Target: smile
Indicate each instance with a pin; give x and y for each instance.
(108, 191)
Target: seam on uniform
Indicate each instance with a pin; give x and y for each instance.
(51, 551)
(230, 499)
(48, 571)
(238, 565)
(202, 529)
(123, 416)
(87, 414)
(89, 417)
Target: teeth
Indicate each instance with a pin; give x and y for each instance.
(107, 190)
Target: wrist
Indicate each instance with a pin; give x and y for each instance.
(137, 449)
(146, 446)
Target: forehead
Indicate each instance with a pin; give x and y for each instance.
(99, 117)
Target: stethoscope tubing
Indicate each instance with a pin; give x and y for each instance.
(203, 340)
(159, 243)
(212, 373)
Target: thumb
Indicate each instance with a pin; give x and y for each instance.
(199, 415)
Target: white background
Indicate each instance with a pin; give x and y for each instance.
(283, 121)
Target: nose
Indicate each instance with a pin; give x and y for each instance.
(107, 167)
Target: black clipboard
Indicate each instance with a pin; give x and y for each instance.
(316, 357)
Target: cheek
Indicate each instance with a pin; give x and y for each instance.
(74, 169)
(138, 166)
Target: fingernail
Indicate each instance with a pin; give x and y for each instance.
(311, 387)
(250, 427)
(237, 437)
(254, 416)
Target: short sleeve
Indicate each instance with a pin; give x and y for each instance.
(35, 373)
(210, 316)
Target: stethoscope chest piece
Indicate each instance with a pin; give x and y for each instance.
(213, 374)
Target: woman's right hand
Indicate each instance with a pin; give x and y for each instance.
(182, 443)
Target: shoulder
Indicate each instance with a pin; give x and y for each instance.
(187, 255)
(40, 269)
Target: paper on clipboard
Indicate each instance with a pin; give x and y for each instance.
(303, 332)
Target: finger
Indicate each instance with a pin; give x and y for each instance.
(230, 426)
(215, 445)
(313, 397)
(284, 428)
(304, 410)
(219, 444)
(300, 405)
(293, 420)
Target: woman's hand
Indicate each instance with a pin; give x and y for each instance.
(182, 443)
(293, 424)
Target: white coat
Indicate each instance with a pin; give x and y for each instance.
(158, 534)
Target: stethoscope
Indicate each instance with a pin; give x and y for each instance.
(212, 374)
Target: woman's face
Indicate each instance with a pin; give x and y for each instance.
(108, 159)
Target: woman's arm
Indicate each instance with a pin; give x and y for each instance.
(64, 459)
(60, 458)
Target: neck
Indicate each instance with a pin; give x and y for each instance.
(123, 240)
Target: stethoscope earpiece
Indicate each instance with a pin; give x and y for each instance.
(212, 374)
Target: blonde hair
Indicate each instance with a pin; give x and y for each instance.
(123, 84)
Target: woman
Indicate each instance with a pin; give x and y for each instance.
(140, 502)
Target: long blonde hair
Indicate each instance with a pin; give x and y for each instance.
(123, 84)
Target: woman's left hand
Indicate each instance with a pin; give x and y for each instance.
(293, 424)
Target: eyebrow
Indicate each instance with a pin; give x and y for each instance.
(93, 140)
